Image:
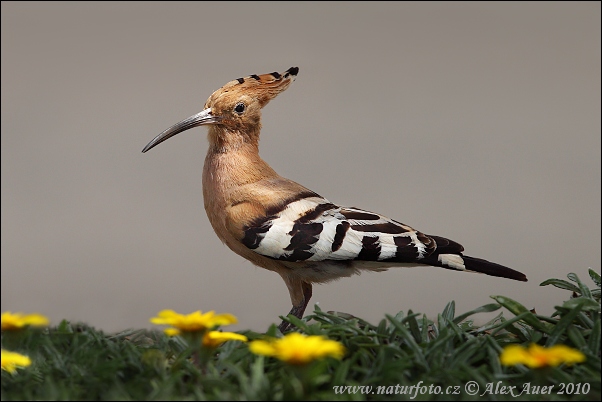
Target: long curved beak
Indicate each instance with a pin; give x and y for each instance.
(198, 119)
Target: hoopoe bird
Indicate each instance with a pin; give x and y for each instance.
(280, 225)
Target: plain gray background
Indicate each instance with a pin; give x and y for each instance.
(475, 121)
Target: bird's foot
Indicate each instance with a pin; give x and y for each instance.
(296, 311)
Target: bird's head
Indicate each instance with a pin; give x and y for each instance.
(234, 110)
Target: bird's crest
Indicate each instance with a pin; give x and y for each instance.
(263, 88)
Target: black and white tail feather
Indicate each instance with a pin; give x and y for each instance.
(334, 241)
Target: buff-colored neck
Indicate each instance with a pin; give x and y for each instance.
(225, 141)
(233, 159)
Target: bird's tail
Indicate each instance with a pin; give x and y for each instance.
(491, 268)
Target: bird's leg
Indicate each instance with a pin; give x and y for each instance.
(298, 308)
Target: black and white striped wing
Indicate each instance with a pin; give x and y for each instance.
(313, 229)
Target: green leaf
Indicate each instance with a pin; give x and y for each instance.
(563, 324)
(440, 345)
(585, 320)
(382, 328)
(518, 309)
(453, 327)
(582, 303)
(465, 352)
(576, 337)
(517, 328)
(411, 319)
(340, 374)
(296, 322)
(584, 290)
(483, 309)
(494, 321)
(560, 283)
(273, 331)
(441, 323)
(595, 338)
(409, 340)
(495, 326)
(65, 327)
(425, 329)
(449, 311)
(493, 351)
(595, 277)
(399, 316)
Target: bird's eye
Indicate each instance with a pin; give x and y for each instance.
(239, 108)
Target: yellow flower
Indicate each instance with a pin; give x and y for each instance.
(172, 331)
(213, 339)
(12, 360)
(537, 356)
(12, 321)
(194, 322)
(298, 349)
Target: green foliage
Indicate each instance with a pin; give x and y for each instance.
(386, 361)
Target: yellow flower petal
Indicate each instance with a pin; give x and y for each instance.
(298, 349)
(15, 321)
(536, 356)
(172, 331)
(556, 355)
(264, 348)
(514, 354)
(213, 339)
(11, 361)
(193, 322)
(166, 317)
